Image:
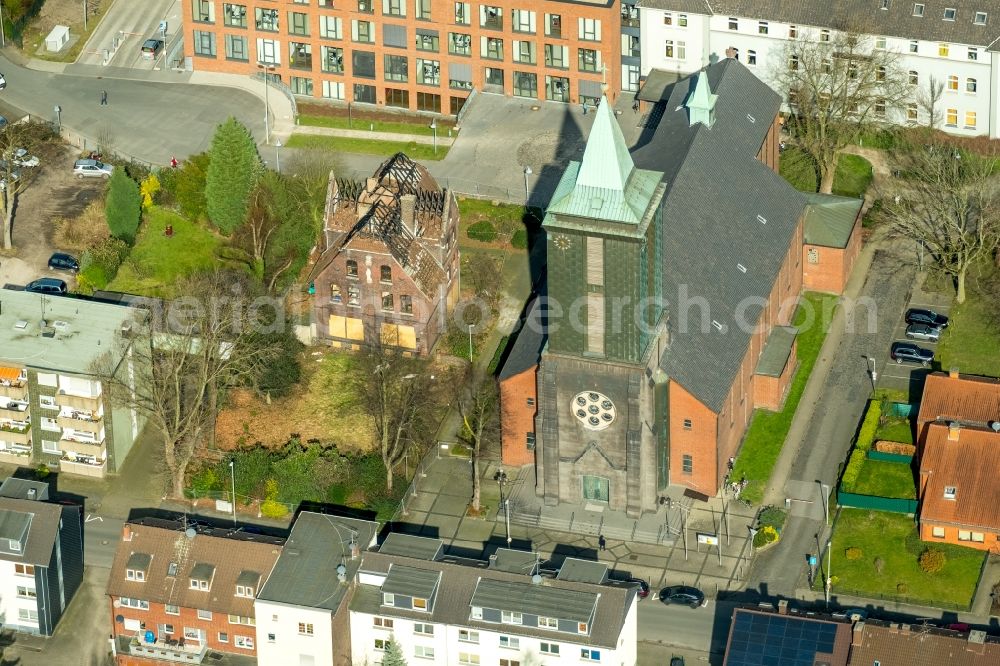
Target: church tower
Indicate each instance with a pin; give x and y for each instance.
(595, 438)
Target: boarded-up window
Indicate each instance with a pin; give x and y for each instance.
(812, 256)
(595, 323)
(350, 328)
(399, 336)
(595, 261)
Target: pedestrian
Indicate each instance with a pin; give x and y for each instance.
(635, 106)
(104, 98)
(602, 542)
(584, 108)
(173, 162)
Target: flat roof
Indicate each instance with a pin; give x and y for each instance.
(776, 352)
(514, 561)
(408, 545)
(76, 333)
(583, 571)
(20, 489)
(542, 600)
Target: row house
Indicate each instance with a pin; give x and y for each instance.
(946, 43)
(417, 55)
(54, 408)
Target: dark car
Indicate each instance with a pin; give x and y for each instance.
(151, 48)
(923, 332)
(904, 351)
(47, 286)
(929, 317)
(643, 587)
(63, 262)
(683, 594)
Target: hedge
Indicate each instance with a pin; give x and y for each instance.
(866, 437)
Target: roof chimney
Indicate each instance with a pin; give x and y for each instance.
(953, 372)
(355, 549)
(408, 213)
(953, 431)
(857, 638)
(32, 493)
(783, 607)
(126, 532)
(731, 52)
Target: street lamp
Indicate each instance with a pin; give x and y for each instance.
(872, 372)
(753, 532)
(434, 128)
(824, 491)
(501, 478)
(265, 68)
(58, 111)
(829, 578)
(277, 155)
(527, 172)
(232, 471)
(470, 342)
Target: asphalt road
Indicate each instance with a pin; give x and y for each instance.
(701, 629)
(100, 538)
(132, 23)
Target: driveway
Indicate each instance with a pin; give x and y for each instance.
(132, 23)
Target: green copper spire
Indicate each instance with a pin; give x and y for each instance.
(606, 160)
(701, 103)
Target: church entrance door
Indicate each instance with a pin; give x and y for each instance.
(596, 488)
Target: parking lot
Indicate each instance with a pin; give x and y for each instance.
(909, 375)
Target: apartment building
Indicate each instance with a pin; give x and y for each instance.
(418, 55)
(952, 43)
(180, 593)
(41, 557)
(445, 610)
(53, 407)
(301, 610)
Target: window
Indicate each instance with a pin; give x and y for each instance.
(135, 574)
(950, 491)
(970, 120)
(943, 50)
(333, 61)
(761, 27)
(305, 629)
(423, 629)
(198, 584)
(366, 6)
(352, 268)
(824, 35)
(914, 46)
(588, 60)
(509, 617)
(170, 609)
(236, 48)
(525, 84)
(223, 637)
(396, 68)
(668, 18)
(793, 63)
(510, 642)
(523, 21)
(203, 11)
(549, 648)
(911, 112)
(245, 642)
(234, 16)
(239, 619)
(394, 7)
(271, 638)
(468, 659)
(428, 42)
(333, 89)
(331, 27)
(266, 19)
(980, 18)
(970, 86)
(298, 24)
(588, 654)
(491, 17)
(973, 53)
(524, 52)
(918, 9)
(682, 20)
(362, 31)
(204, 615)
(581, 627)
(914, 77)
(548, 623)
(812, 256)
(734, 23)
(590, 29)
(952, 83)
(530, 402)
(529, 441)
(687, 464)
(553, 25)
(880, 73)
(880, 108)
(385, 272)
(419, 604)
(477, 613)
(675, 50)
(951, 120)
(949, 14)
(382, 622)
(510, 662)
(964, 535)
(423, 652)
(353, 295)
(27, 615)
(492, 48)
(978, 537)
(25, 592)
(687, 424)
(556, 56)
(459, 43)
(937, 532)
(422, 9)
(381, 643)
(880, 43)
(204, 43)
(793, 32)
(406, 304)
(468, 636)
(141, 604)
(752, 58)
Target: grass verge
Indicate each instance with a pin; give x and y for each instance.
(366, 124)
(852, 177)
(799, 169)
(895, 431)
(767, 432)
(971, 340)
(414, 150)
(889, 542)
(885, 479)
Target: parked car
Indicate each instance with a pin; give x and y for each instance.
(151, 48)
(60, 261)
(3, 82)
(904, 351)
(929, 317)
(23, 159)
(923, 332)
(47, 286)
(677, 661)
(92, 169)
(852, 614)
(3, 121)
(643, 587)
(683, 594)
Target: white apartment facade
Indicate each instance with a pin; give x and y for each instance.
(953, 42)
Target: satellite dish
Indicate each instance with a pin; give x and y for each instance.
(536, 579)
(190, 533)
(119, 618)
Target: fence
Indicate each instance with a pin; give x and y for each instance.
(899, 599)
(890, 457)
(244, 503)
(876, 503)
(419, 474)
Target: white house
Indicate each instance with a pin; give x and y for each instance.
(953, 42)
(444, 610)
(301, 614)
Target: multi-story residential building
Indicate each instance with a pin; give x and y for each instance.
(389, 268)
(179, 592)
(420, 55)
(443, 610)
(41, 557)
(897, 644)
(951, 43)
(301, 610)
(53, 407)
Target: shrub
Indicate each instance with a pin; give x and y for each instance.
(189, 187)
(854, 465)
(100, 264)
(42, 471)
(773, 516)
(483, 231)
(879, 565)
(853, 553)
(866, 436)
(123, 207)
(205, 481)
(932, 560)
(765, 536)
(149, 188)
(273, 509)
(85, 230)
(902, 588)
(519, 241)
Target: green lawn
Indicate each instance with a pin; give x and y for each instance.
(895, 431)
(893, 538)
(971, 340)
(853, 176)
(416, 151)
(763, 441)
(799, 169)
(157, 261)
(361, 123)
(885, 479)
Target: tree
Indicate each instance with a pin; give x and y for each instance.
(928, 100)
(188, 186)
(836, 89)
(479, 408)
(13, 178)
(123, 207)
(311, 169)
(233, 169)
(168, 366)
(395, 393)
(393, 655)
(949, 203)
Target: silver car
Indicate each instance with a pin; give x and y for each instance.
(923, 332)
(23, 159)
(92, 169)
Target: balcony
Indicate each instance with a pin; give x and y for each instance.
(14, 410)
(85, 403)
(96, 449)
(80, 421)
(14, 457)
(170, 649)
(14, 390)
(81, 468)
(14, 435)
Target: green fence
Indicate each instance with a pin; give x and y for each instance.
(890, 457)
(890, 504)
(901, 409)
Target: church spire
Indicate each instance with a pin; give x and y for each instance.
(606, 160)
(701, 102)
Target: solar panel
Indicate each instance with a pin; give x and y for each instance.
(759, 639)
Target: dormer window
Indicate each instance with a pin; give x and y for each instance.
(15, 545)
(510, 617)
(950, 492)
(581, 627)
(918, 9)
(949, 14)
(199, 584)
(244, 591)
(548, 623)
(388, 599)
(420, 604)
(134, 574)
(477, 613)
(980, 18)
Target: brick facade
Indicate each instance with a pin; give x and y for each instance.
(518, 405)
(961, 536)
(301, 38)
(769, 392)
(827, 269)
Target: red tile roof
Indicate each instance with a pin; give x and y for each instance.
(904, 645)
(972, 465)
(965, 398)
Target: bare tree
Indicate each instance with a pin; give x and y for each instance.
(950, 203)
(169, 363)
(479, 408)
(928, 100)
(15, 175)
(836, 89)
(312, 169)
(395, 393)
